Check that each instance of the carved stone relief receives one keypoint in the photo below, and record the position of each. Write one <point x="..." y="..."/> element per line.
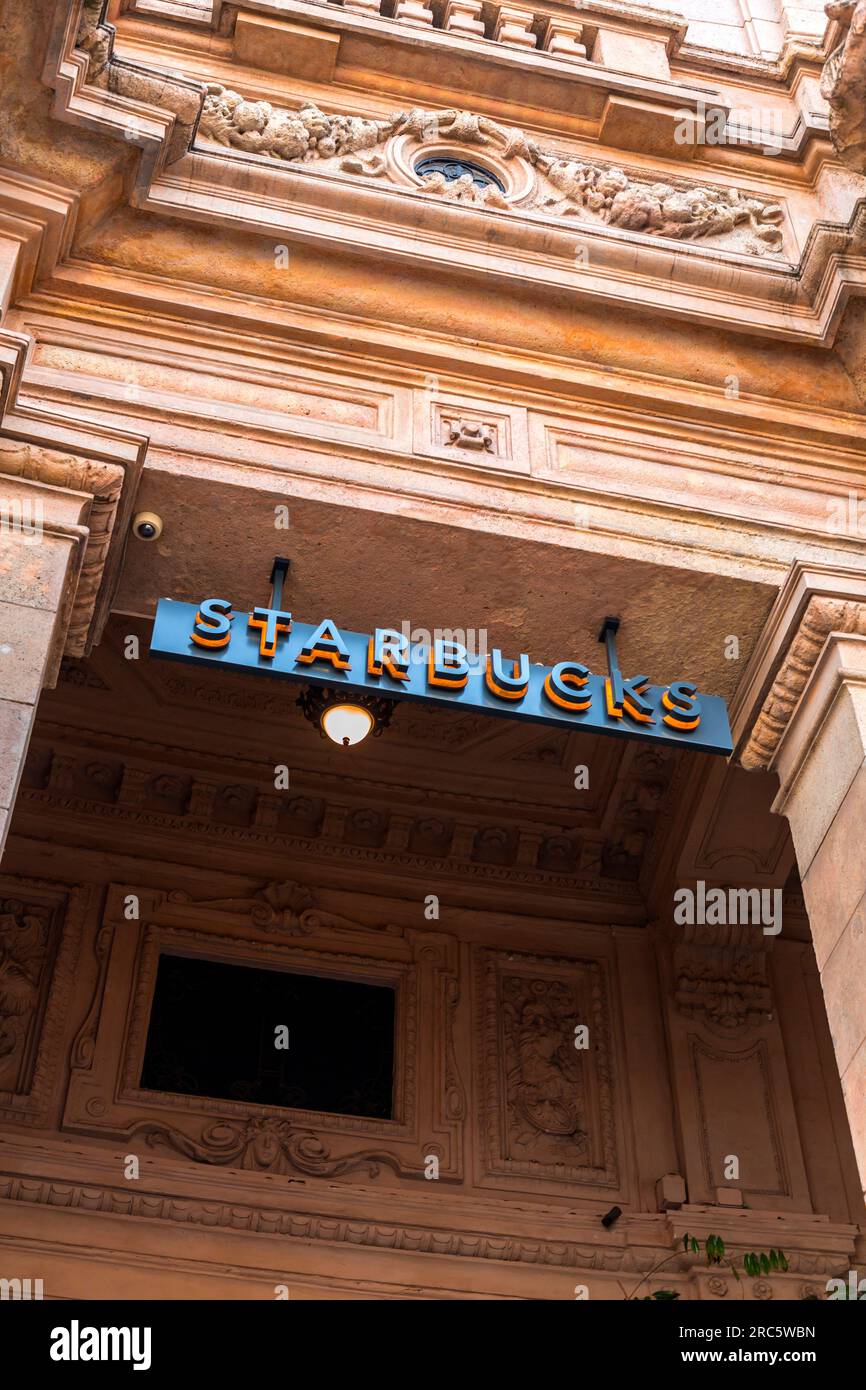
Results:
<point x="822" y="616"/>
<point x="720" y="976"/>
<point x="548" y="1104"/>
<point x="542" y="181"/>
<point x="843" y="83"/>
<point x="104" y="481"/>
<point x="265" y="1144"/>
<point x="24" y="947"/>
<point x="40" y="933"/>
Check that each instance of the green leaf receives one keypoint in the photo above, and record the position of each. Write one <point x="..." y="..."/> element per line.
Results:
<point x="782" y="1261"/>
<point x="774" y="1260"/>
<point x="695" y="1246"/>
<point x="686" y="1239"/>
<point x="765" y="1264"/>
<point x="720" y="1245"/>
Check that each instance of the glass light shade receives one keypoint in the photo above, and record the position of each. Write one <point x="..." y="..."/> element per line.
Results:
<point x="347" y="724"/>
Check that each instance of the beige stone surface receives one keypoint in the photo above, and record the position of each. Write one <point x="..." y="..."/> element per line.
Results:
<point x="33" y="564"/>
<point x="836" y="876"/>
<point x="854" y="1090"/>
<point x="639" y="54"/>
<point x="842" y="980"/>
<point x="279" y="46"/>
<point x="831" y="765"/>
<point x="15" y="720"/>
<point x="25" y="642"/>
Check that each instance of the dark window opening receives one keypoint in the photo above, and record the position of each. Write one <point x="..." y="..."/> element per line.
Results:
<point x="455" y="168"/>
<point x="213" y="1028"/>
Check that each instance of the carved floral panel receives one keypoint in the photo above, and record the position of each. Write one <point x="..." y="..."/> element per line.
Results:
<point x="40" y="930"/>
<point x="549" y="1105"/>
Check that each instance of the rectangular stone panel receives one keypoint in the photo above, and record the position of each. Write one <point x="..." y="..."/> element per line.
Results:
<point x="737" y="1118"/>
<point x="547" y="1085"/>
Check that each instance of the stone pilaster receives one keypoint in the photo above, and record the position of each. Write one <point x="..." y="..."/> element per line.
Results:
<point x="57" y="518"/>
<point x="803" y="716"/>
<point x="35" y="570"/>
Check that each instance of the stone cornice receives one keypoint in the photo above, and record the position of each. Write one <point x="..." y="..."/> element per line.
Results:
<point x="62" y="1172"/>
<point x="801" y="301"/>
<point x="157" y="111"/>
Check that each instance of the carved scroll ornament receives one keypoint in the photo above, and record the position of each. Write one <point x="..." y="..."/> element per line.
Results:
<point x="264" y="1144"/>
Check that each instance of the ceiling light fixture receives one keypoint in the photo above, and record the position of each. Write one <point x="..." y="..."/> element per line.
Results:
<point x="346" y="717"/>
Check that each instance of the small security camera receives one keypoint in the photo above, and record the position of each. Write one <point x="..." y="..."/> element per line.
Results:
<point x="147" y="526"/>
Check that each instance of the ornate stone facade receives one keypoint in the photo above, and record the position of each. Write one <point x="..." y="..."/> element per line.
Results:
<point x="496" y="322"/>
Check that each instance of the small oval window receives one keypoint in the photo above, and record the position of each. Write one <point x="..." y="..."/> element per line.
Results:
<point x="454" y="169"/>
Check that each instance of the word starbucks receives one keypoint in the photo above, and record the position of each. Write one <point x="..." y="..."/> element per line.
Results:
<point x="386" y="662"/>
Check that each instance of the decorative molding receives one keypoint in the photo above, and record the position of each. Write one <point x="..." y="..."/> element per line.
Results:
<point x="102" y="461"/>
<point x="763" y="291"/>
<point x="287" y="908"/>
<point x="156" y="110"/>
<point x="565" y="188"/>
<point x="105" y="1096"/>
<point x="808" y="1255"/>
<point x="720" y="976"/>
<point x="264" y="1143"/>
<point x="104" y="482"/>
<point x="822" y="615"/>
<point x="515" y="850"/>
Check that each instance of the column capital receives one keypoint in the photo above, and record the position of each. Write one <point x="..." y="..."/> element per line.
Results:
<point x="814" y="602"/>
